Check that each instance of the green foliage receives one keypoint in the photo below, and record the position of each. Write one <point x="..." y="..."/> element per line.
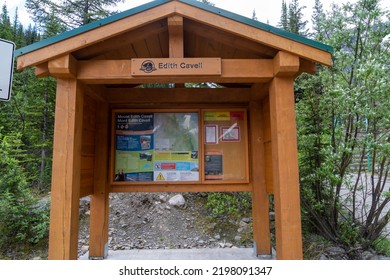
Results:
<point x="383" y="245"/>
<point x="343" y="126"/>
<point x="292" y="18"/>
<point x="225" y="204"/>
<point x="20" y="218"/>
<point x="206" y="2"/>
<point x="69" y="14"/>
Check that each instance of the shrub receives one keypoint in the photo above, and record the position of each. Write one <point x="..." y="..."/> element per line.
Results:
<point x="20" y="218"/>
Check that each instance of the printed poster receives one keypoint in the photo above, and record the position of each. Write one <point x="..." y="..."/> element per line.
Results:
<point x="156" y="147"/>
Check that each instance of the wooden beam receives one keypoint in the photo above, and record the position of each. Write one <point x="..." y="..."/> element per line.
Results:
<point x="267" y="144"/>
<point x="177" y="95"/>
<point x="260" y="198"/>
<point x="63" y="67"/>
<point x="98" y="243"/>
<point x="307" y="67"/>
<point x="42" y="70"/>
<point x="285" y="169"/>
<point x="180" y="188"/>
<point x="286" y="64"/>
<point x="176" y="40"/>
<point x="65" y="189"/>
<point x="119" y="72"/>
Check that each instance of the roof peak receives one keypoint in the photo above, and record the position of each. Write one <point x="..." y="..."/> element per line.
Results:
<point x="156" y="3"/>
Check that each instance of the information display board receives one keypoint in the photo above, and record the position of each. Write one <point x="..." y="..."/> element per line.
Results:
<point x="156" y="146"/>
<point x="225" y="145"/>
<point x="194" y="147"/>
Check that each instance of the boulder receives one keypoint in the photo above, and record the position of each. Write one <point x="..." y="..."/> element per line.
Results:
<point x="177" y="201"/>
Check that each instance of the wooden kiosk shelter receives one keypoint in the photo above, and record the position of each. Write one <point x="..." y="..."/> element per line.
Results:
<point x="114" y="135"/>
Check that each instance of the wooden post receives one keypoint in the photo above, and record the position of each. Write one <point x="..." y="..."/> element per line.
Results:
<point x="65" y="190"/>
<point x="285" y="169"/>
<point x="176" y="40"/>
<point x="260" y="202"/>
<point x="99" y="205"/>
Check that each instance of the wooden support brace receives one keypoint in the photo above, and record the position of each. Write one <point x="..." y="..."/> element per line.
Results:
<point x="176" y="40"/>
<point x="260" y="199"/>
<point x="63" y="67"/>
<point x="267" y="144"/>
<point x="307" y="67"/>
<point x="99" y="200"/>
<point x="65" y="190"/>
<point x="285" y="64"/>
<point x="42" y="70"/>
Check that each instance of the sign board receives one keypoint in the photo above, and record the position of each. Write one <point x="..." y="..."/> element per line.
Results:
<point x="176" y="66"/>
<point x="156" y="146"/>
<point x="6" y="68"/>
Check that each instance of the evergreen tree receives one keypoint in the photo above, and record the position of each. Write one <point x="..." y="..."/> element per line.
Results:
<point x="5" y="24"/>
<point x="317" y="20"/>
<point x="31" y="35"/>
<point x="284" y="18"/>
<point x="206" y="2"/>
<point x="296" y="24"/>
<point x="254" y="16"/>
<point x="70" y="14"/>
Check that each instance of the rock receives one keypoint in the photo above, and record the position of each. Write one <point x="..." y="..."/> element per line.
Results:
<point x="336" y="250"/>
<point x="336" y="253"/>
<point x="162" y="198"/>
<point x="245" y="229"/>
<point x="367" y="255"/>
<point x="272" y="216"/>
<point x="177" y="201"/>
<point x="43" y="203"/>
<point x="217" y="237"/>
<point x="84" y="249"/>
<point x="211" y="226"/>
<point x="237" y="238"/>
<point x="323" y="257"/>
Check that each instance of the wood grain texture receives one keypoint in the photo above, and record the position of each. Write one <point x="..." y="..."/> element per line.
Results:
<point x="65" y="192"/>
<point x="285" y="170"/>
<point x="99" y="200"/>
<point x="260" y="199"/>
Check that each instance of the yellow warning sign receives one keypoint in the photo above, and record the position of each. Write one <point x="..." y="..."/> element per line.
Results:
<point x="160" y="177"/>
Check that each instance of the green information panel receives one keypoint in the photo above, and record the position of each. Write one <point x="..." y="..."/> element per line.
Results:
<point x="156" y="147"/>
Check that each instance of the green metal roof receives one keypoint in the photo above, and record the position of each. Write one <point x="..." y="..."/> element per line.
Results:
<point x="152" y="4"/>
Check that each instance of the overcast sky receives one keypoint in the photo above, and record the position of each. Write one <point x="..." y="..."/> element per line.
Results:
<point x="266" y="10"/>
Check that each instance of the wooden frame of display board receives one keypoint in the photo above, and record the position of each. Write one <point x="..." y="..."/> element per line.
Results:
<point x="233" y="152"/>
<point x="108" y="65"/>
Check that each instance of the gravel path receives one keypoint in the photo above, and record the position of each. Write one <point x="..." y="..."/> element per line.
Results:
<point x="149" y="221"/>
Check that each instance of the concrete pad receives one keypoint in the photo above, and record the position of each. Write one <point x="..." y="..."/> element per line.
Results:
<point x="186" y="254"/>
